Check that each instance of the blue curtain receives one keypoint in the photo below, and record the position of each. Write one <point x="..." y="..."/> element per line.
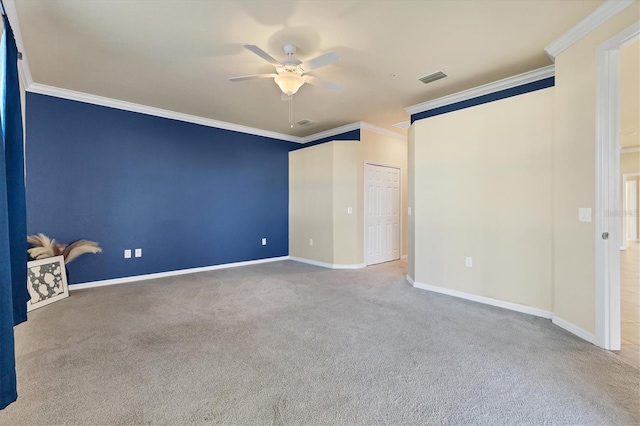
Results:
<point x="13" y="218"/>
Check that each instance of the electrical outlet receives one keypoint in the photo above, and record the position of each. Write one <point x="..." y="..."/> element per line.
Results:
<point x="311" y="241"/>
<point x="127" y="254"/>
<point x="138" y="252"/>
<point x="468" y="262"/>
<point x="264" y="241"/>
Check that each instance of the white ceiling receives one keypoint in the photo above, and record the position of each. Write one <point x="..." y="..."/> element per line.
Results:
<point x="178" y="55"/>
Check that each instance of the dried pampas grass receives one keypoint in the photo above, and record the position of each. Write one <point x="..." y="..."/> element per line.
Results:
<point x="80" y="247"/>
<point x="44" y="247"/>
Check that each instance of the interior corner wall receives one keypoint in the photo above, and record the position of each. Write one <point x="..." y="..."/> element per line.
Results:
<point x="383" y="150"/>
<point x="188" y="195"/>
<point x="411" y="196"/>
<point x="311" y="203"/>
<point x="482" y="188"/>
<point x="346" y="230"/>
<point x="574" y="156"/>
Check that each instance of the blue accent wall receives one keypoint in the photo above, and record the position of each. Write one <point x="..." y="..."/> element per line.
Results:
<point x="353" y="135"/>
<point x="188" y="195"/>
<point x="502" y="94"/>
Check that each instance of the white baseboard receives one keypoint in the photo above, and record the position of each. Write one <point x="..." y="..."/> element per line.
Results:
<point x="409" y="279"/>
<point x="574" y="329"/>
<point x="135" y="278"/>
<point x="482" y="299"/>
<point x="327" y="265"/>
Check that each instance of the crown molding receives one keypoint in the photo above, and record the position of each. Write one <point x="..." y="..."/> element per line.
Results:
<point x="157" y="112"/>
<point x="381" y="131"/>
<point x="629" y="150"/>
<point x="496" y="86"/>
<point x="403" y="124"/>
<point x="596" y="18"/>
<point x="208" y="122"/>
<point x="331" y="132"/>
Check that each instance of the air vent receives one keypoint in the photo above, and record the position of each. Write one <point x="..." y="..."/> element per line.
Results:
<point x="432" y="77"/>
<point x="305" y="122"/>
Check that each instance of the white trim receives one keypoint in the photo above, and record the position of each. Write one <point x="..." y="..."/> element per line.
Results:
<point x="607" y="252"/>
<point x="591" y="22"/>
<point x="403" y="124"/>
<point x="330" y="132"/>
<point x="145" y="277"/>
<point x="496" y="86"/>
<point x="327" y="265"/>
<point x="381" y="131"/>
<point x="485" y="300"/>
<point x="209" y="122"/>
<point x="573" y="329"/>
<point x="629" y="150"/>
<point x="157" y="112"/>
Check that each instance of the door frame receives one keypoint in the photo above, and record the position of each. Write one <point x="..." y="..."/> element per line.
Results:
<point x="607" y="214"/>
<point x="623" y="191"/>
<point x="364" y="207"/>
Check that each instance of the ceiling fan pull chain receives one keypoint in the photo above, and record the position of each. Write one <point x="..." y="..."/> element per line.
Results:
<point x="291" y="111"/>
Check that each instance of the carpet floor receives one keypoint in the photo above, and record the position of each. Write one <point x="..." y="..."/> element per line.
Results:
<point x="289" y="343"/>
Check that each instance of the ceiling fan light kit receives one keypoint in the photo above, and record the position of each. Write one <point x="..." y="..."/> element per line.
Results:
<point x="289" y="82"/>
<point x="291" y="73"/>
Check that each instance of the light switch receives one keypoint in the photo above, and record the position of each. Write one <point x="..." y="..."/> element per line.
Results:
<point x="409" y="211"/>
<point x="349" y="210"/>
<point x="264" y="241"/>
<point x="584" y="214"/>
<point x="127" y="254"/>
<point x="138" y="252"/>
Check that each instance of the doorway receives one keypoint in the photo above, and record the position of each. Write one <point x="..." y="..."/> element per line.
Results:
<point x="609" y="189"/>
<point x="381" y="213"/>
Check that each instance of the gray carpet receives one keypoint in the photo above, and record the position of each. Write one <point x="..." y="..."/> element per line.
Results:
<point x="288" y="343"/>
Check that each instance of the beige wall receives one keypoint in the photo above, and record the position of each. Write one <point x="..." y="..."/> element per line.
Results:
<point x="346" y="243"/>
<point x="411" y="185"/>
<point x="311" y="203"/>
<point x="630" y="95"/>
<point x="574" y="172"/>
<point x="483" y="189"/>
<point x="324" y="182"/>
<point x="629" y="163"/>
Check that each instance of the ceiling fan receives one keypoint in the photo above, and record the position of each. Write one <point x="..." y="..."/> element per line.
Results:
<point x="291" y="73"/>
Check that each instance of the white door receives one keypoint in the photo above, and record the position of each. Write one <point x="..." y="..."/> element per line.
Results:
<point x="382" y="214"/>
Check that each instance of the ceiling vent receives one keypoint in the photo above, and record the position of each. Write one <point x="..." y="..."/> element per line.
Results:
<point x="432" y="77"/>
<point x="305" y="122"/>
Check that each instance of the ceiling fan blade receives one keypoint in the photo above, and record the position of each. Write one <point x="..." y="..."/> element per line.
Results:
<point x="320" y="61"/>
<point x="252" y="77"/>
<point x="324" y="83"/>
<point x="264" y="55"/>
<point x="285" y="97"/>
